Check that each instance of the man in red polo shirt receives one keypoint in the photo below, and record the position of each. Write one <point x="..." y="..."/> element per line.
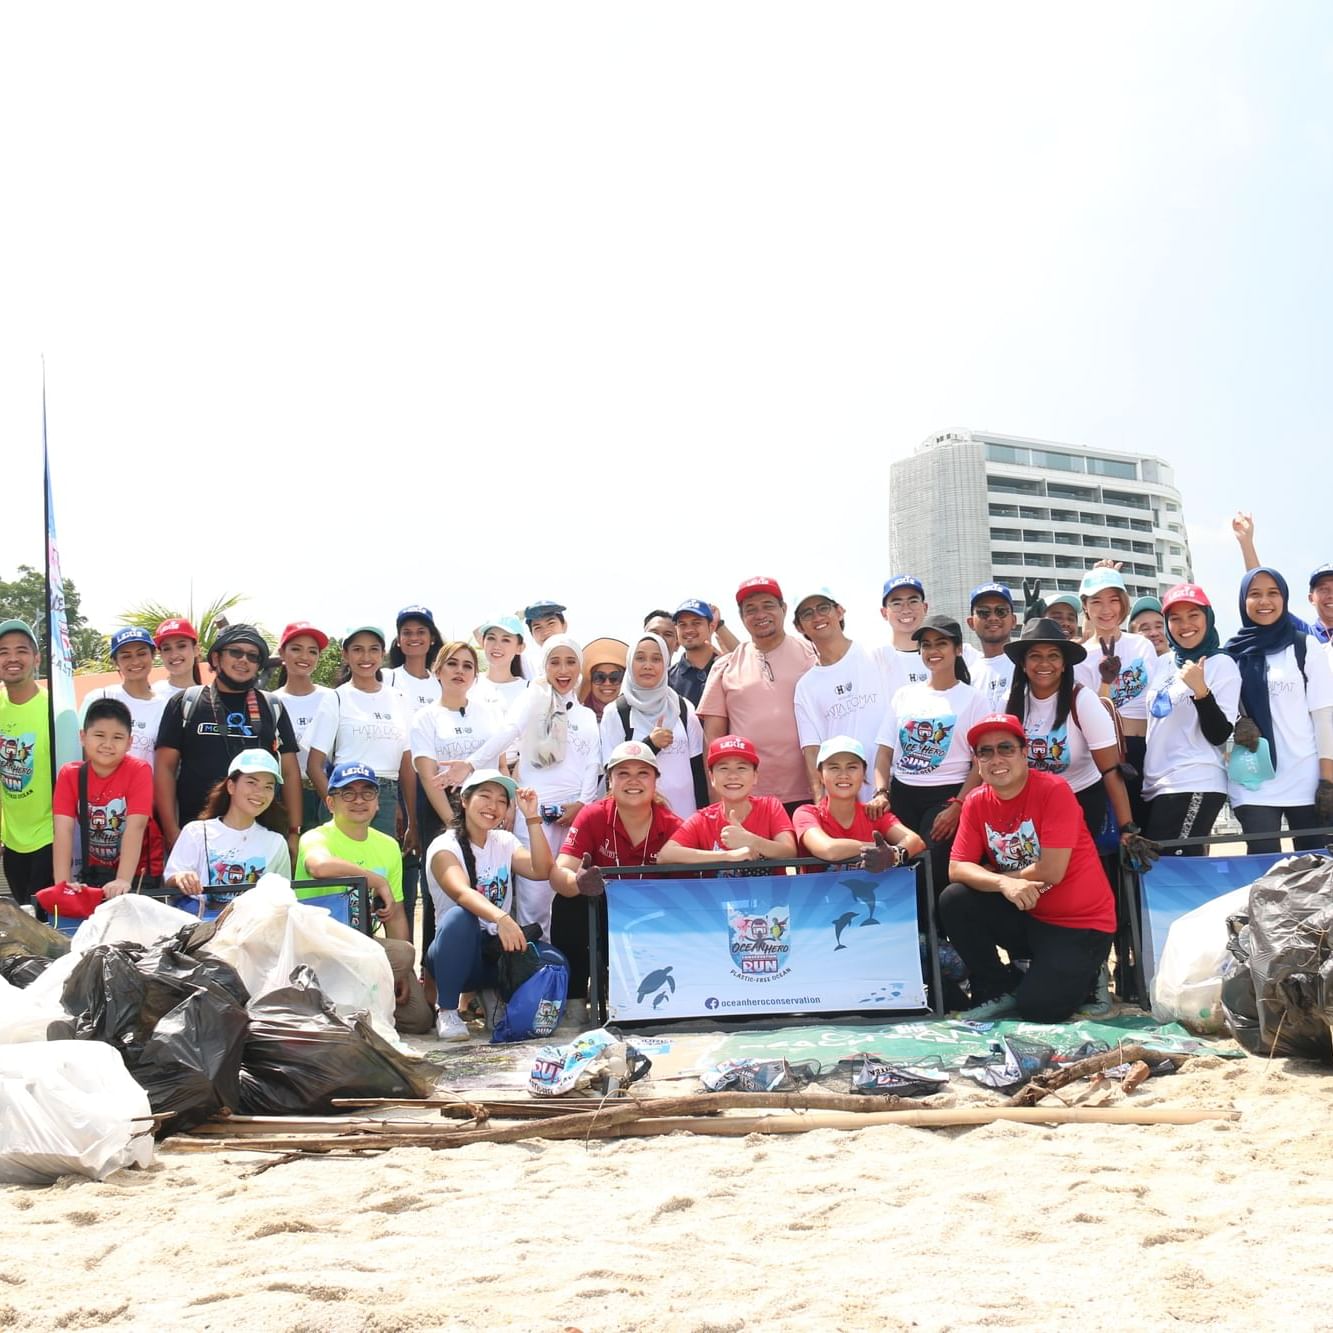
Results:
<point x="1025" y="877"/>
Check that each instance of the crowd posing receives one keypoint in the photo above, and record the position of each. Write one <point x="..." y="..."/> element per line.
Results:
<point x="489" y="782"/>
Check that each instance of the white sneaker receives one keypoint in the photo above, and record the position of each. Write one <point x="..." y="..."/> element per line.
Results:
<point x="450" y="1027"/>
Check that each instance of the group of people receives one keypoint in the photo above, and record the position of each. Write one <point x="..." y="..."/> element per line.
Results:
<point x="495" y="777"/>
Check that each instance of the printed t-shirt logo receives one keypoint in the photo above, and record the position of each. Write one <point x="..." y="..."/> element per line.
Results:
<point x="760" y="942"/>
<point x="1130" y="683"/>
<point x="1016" y="850"/>
<point x="1049" y="752"/>
<point x="16" y="762"/>
<point x="923" y="742"/>
<point x="494" y="886"/>
<point x="106" y="823"/>
<point x="228" y="873"/>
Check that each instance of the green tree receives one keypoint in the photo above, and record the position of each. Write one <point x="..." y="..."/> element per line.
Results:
<point x="25" y="597"/>
<point x="149" y="615"/>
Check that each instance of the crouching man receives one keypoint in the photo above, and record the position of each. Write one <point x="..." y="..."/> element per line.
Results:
<point x="349" y="846"/>
<point x="1025" y="877"/>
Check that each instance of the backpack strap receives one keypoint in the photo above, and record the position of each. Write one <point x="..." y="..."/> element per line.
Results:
<point x="190" y="697"/>
<point x="1115" y="720"/>
<point x="85" y="833"/>
<point x="622" y="707"/>
<point x="1301" y="646"/>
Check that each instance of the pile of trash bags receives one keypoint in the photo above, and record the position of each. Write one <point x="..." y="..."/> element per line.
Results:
<point x="273" y="1009"/>
<point x="1278" y="999"/>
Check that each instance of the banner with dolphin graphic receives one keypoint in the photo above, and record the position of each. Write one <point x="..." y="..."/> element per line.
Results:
<point x="840" y="940"/>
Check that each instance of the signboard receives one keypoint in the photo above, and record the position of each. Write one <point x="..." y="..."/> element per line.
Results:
<point x="840" y="940"/>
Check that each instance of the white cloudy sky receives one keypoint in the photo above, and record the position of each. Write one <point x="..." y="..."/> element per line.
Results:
<point x="350" y="306"/>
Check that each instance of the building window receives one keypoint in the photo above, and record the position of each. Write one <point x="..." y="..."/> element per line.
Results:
<point x="1110" y="467"/>
<point x="1029" y="535"/>
<point x="1126" y="501"/>
<point x="1005" y="535"/>
<point x="1004" y="511"/>
<point x="1064" y="515"/>
<point x="1097" y="520"/>
<point x="1014" y="486"/>
<point x="1059" y="490"/>
<point x="1056" y="462"/>
<point x="1004" y="453"/>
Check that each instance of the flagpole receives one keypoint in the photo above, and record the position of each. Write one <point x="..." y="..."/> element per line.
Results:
<point x="47" y="663"/>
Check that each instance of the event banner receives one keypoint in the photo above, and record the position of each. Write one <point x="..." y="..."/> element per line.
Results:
<point x="65" y="747"/>
<point x="769" y="944"/>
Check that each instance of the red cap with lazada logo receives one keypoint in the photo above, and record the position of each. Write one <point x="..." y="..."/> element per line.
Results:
<point x="732" y="747"/>
<point x="760" y="583"/>
<point x="175" y="629"/>
<point x="1185" y="592"/>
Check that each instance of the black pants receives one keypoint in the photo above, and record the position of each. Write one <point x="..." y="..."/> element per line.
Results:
<point x="1136" y="755"/>
<point x="1264" y="819"/>
<point x="1184" y="814"/>
<point x="1094" y="802"/>
<point x="917" y="808"/>
<point x="569" y="934"/>
<point x="1065" y="961"/>
<point x="27" y="872"/>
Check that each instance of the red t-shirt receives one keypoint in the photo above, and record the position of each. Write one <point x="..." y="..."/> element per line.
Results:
<point x="127" y="790"/>
<point x="598" y="829"/>
<point x="703" y="829"/>
<point x="1009" y="835"/>
<point x="863" y="828"/>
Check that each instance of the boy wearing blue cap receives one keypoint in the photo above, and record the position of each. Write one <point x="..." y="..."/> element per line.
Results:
<point x="904" y="606"/>
<point x="132" y="653"/>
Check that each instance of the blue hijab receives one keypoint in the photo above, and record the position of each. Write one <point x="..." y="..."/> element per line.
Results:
<point x="1251" y="649"/>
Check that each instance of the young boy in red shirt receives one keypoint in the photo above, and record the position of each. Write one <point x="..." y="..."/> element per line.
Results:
<point x="119" y="843"/>
<point x="738" y="826"/>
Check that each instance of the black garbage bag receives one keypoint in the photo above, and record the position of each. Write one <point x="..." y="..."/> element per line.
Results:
<point x="1240" y="1008"/>
<point x="178" y="1021"/>
<point x="301" y="1053"/>
<point x="22" y="969"/>
<point x="1291" y="957"/>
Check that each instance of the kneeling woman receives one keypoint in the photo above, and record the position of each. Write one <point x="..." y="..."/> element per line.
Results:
<point x="237" y="840"/>
<point x="840" y="826"/>
<point x="470" y="872"/>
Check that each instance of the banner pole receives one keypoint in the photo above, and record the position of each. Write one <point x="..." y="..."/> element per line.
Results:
<point x="47" y="664"/>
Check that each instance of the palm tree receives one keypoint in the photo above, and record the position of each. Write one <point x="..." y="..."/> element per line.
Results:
<point x="149" y="615"/>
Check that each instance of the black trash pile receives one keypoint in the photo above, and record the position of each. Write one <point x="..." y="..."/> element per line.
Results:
<point x="193" y="1039"/>
<point x="1278" y="1000"/>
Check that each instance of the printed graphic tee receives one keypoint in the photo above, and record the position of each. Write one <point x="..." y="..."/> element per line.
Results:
<point x="928" y="729"/>
<point x="228" y="858"/>
<point x="1178" y="757"/>
<point x="127" y="790"/>
<point x="1138" y="665"/>
<point x="1066" y="750"/>
<point x="25" y="771"/>
<point x="495" y="873"/>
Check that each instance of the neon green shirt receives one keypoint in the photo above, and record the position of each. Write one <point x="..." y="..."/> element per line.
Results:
<point x="25" y="772"/>
<point x="378" y="852"/>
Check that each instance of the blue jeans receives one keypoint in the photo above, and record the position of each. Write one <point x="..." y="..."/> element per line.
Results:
<point x="454" y="958"/>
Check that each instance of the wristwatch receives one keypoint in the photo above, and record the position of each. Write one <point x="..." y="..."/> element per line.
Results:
<point x="1131" y="827"/>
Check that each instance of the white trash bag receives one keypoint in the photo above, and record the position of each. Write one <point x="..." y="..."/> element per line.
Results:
<point x="69" y="1108"/>
<point x="129" y="918"/>
<point x="1187" y="986"/>
<point x="269" y="934"/>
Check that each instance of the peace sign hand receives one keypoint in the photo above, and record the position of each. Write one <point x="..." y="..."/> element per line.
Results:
<point x="1110" y="663"/>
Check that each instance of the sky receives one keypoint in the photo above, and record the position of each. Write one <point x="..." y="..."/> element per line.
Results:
<point x="347" y="307"/>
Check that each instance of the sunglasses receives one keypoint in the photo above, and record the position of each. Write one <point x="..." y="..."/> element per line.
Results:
<point x="1007" y="749"/>
<point x="991" y="612"/>
<point x="240" y="655"/>
<point x="607" y="677"/>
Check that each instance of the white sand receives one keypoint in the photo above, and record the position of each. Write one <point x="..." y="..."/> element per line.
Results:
<point x="1212" y="1225"/>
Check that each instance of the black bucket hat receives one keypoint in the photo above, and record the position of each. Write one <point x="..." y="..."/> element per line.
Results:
<point x="940" y="625"/>
<point x="1044" y="631"/>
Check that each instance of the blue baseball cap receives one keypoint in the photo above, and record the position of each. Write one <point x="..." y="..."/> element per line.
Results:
<point x="1324" y="571"/>
<point x="256" y="761"/>
<point x="131" y="634"/>
<point x="542" y="608"/>
<point x="485" y="775"/>
<point x="1099" y="580"/>
<point x="840" y="745"/>
<point x="693" y="607"/>
<point x="344" y="775"/>
<point x="416" y="612"/>
<point x="902" y="581"/>
<point x="991" y="590"/>
<point x="510" y="624"/>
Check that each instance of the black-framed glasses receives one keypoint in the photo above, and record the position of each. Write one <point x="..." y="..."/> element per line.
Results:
<point x="607" y="677"/>
<point x="351" y="794"/>
<point x="241" y="655"/>
<point x="818" y="609"/>
<point x="1005" y="749"/>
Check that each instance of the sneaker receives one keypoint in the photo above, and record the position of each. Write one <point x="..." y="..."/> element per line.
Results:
<point x="1002" y="1006"/>
<point x="1099" y="1002"/>
<point x="450" y="1027"/>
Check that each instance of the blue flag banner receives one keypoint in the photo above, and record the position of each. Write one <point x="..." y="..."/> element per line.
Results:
<point x="65" y="747"/>
<point x="835" y="941"/>
<point x="1179" y="884"/>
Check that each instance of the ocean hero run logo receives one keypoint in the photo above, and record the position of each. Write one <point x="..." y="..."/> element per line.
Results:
<point x="760" y="942"/>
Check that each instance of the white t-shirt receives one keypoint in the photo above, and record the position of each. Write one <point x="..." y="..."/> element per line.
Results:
<point x="495" y="872"/>
<point x="928" y="732"/>
<point x="1178" y="757"/>
<point x="848" y="698"/>
<point x="1066" y="750"/>
<point x="228" y="858"/>
<point x="145" y="717"/>
<point x="914" y="671"/>
<point x="991" y="677"/>
<point x="417" y="692"/>
<point x="675" y="777"/>
<point x="446" y="734"/>
<point x="1138" y="665"/>
<point x="500" y="694"/>
<point x="1291" y="701"/>
<point x="575" y="777"/>
<point x="165" y="690"/>
<point x="363" y="728"/>
<point x="303" y="709"/>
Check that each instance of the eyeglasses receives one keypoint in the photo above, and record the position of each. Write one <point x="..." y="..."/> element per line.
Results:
<point x="906" y="601"/>
<point x="351" y="794"/>
<point x="607" y="677"/>
<point x="991" y="612"/>
<point x="1006" y="749"/>
<point x="240" y="655"/>
<point x="818" y="609"/>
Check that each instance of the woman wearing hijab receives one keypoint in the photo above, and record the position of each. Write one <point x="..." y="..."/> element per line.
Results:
<point x="604" y="665"/>
<point x="649" y="710"/>
<point x="1286" y="701"/>
<point x="1192" y="705"/>
<point x="559" y="757"/>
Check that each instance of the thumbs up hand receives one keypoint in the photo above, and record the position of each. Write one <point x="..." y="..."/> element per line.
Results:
<point x="661" y="736"/>
<point x="735" y="836"/>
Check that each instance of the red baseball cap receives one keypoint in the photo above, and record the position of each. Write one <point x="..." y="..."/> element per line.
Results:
<point x="1185" y="592"/>
<point x="732" y="747"/>
<point x="299" y="627"/>
<point x="997" y="722"/>
<point x="758" y="584"/>
<point x="175" y="629"/>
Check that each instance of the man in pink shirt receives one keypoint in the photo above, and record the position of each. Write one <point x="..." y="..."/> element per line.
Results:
<point x="752" y="692"/>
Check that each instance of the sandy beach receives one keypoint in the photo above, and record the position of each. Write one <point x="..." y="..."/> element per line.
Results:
<point x="1219" y="1224"/>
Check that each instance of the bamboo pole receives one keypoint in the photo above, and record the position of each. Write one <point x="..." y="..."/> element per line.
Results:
<point x="1032" y="1092"/>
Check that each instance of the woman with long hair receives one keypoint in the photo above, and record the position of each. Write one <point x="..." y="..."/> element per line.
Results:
<point x="298" y="655"/>
<point x="408" y="663"/>
<point x="502" y="648"/>
<point x="178" y="643"/>
<point x="1286" y="701"/>
<point x="240" y="835"/>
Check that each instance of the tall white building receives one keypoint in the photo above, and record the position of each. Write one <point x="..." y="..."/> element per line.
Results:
<point x="968" y="507"/>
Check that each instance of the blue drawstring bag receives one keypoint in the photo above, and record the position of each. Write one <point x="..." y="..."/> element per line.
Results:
<point x="538" y="1003"/>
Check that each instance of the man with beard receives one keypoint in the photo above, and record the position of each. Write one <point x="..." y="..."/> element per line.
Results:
<point x="992" y="620"/>
<point x="697" y="624"/>
<point x="205" y="727"/>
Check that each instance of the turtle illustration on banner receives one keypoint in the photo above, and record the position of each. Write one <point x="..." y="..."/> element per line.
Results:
<point x="660" y="981"/>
